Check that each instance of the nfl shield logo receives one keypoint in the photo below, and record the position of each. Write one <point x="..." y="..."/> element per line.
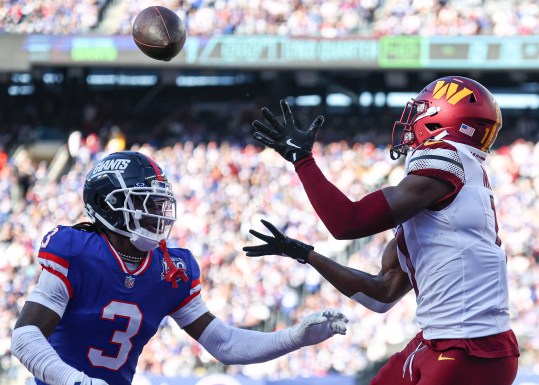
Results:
<point x="129" y="282"/>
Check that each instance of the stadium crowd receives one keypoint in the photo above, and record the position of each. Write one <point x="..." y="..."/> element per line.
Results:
<point x="223" y="190"/>
<point x="328" y="18"/>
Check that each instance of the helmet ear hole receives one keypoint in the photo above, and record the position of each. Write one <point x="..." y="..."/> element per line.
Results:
<point x="102" y="204"/>
<point x="433" y="126"/>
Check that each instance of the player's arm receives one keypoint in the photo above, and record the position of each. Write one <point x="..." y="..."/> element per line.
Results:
<point x="39" y="317"/>
<point x="232" y="345"/>
<point x="375" y="212"/>
<point x="376" y="292"/>
<point x="35" y="314"/>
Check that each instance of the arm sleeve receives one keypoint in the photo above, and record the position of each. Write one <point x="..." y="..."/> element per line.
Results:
<point x="234" y="346"/>
<point x="50" y="292"/>
<point x="31" y="348"/>
<point x="344" y="218"/>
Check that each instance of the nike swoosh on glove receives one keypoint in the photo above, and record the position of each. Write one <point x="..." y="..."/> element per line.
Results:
<point x="286" y="138"/>
<point x="318" y="327"/>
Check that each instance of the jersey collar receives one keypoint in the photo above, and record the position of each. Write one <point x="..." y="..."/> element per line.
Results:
<point x="123" y="266"/>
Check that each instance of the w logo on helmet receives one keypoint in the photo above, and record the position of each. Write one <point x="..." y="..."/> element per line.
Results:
<point x="449" y="90"/>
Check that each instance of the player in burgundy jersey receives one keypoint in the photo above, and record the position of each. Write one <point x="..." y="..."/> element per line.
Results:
<point x="107" y="285"/>
<point x="446" y="247"/>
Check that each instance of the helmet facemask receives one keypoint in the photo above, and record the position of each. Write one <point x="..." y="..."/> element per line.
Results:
<point x="414" y="111"/>
<point x="148" y="212"/>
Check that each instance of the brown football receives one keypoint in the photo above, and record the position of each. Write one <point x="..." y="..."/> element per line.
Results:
<point x="159" y="33"/>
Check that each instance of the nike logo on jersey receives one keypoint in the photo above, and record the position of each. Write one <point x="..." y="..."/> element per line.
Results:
<point x="442" y="358"/>
<point x="289" y="142"/>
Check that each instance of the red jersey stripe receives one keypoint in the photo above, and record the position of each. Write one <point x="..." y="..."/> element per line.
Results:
<point x="62" y="277"/>
<point x="53" y="258"/>
<point x="185" y="302"/>
<point x="401" y="243"/>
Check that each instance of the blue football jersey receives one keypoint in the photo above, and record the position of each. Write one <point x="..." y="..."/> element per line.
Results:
<point x="112" y="312"/>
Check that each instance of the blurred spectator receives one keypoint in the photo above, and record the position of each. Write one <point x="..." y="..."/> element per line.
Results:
<point x="57" y="17"/>
<point x="324" y="18"/>
<point x="116" y="140"/>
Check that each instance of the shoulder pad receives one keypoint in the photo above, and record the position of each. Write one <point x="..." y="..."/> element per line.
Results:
<point x="434" y="157"/>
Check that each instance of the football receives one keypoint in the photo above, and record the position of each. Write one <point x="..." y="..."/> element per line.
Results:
<point x="159" y="33"/>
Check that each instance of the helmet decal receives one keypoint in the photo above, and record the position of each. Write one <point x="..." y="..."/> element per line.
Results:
<point x="449" y="90"/>
<point x="110" y="165"/>
<point x="465" y="129"/>
<point x="157" y="169"/>
<point x="492" y="133"/>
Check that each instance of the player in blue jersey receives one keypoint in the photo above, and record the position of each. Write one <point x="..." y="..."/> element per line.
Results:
<point x="107" y="285"/>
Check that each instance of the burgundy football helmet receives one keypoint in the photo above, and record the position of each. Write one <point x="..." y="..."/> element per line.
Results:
<point x="462" y="107"/>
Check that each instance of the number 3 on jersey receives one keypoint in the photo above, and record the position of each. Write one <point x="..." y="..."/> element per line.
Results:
<point x="121" y="337"/>
<point x="48" y="236"/>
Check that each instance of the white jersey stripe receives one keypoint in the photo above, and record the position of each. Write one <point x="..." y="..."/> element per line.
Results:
<point x="195" y="289"/>
<point x="53" y="265"/>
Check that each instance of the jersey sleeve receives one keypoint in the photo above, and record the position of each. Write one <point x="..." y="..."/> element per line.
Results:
<point x="54" y="254"/>
<point x="190" y="312"/>
<point x="193" y="273"/>
<point x="439" y="160"/>
<point x="50" y="292"/>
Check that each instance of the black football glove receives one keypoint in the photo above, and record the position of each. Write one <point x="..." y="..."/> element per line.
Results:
<point x="279" y="244"/>
<point x="288" y="140"/>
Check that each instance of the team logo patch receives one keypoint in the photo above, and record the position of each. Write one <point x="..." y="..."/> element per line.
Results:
<point x="465" y="129"/>
<point x="129" y="281"/>
<point x="178" y="262"/>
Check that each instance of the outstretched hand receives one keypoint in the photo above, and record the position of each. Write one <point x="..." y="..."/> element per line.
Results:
<point x="318" y="327"/>
<point x="278" y="244"/>
<point x="286" y="138"/>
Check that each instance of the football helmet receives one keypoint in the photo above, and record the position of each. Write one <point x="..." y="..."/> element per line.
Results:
<point x="128" y="193"/>
<point x="460" y="108"/>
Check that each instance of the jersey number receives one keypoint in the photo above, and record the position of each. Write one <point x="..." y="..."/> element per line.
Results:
<point x="48" y="237"/>
<point x="120" y="337"/>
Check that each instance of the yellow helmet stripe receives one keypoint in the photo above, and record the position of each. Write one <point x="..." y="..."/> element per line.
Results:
<point x="493" y="131"/>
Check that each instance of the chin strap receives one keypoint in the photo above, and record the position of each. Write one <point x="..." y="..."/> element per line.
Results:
<point x="173" y="271"/>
